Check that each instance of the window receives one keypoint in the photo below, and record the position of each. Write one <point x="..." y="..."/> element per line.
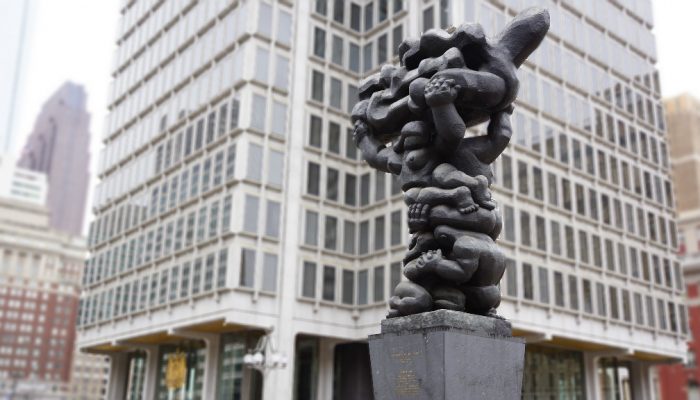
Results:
<point x="362" y="287"/>
<point x="334" y="138"/>
<point x="315" y="127"/>
<point x="317" y="86"/>
<point x="222" y="269"/>
<point x="348" y="286"/>
<point x="355" y="16"/>
<point x="511" y="278"/>
<point x="332" y="176"/>
<point x="383" y="10"/>
<point x="349" y="237"/>
<point x="525" y="228"/>
<point x="367" y="57"/>
<point x="258" y="114"/>
<point x="543" y="279"/>
<point x="397" y="38"/>
<point x="354" y="63"/>
<point x="275" y="168"/>
<point x="255" y="155"/>
<point x="428" y="19"/>
<point x="350" y="189"/>
<point x="247" y="274"/>
<point x="279" y="118"/>
<point x="272" y="222"/>
<point x="281" y="72"/>
<point x="396" y="232"/>
<point x="250" y="219"/>
<point x="337" y="50"/>
<point x="379" y="233"/>
<point x="364" y="189"/>
<point x="308" y="288"/>
<point x="573" y="292"/>
<point x="269" y="283"/>
<point x="369" y="16"/>
<point x="319" y="42"/>
<point x="339" y="10"/>
<point x="313" y="179"/>
<point x="328" y="293"/>
<point x="331" y="233"/>
<point x="528" y="288"/>
<point x="262" y="62"/>
<point x="311" y="232"/>
<point x="364" y="237"/>
<point x="379" y="284"/>
<point x="587" y="297"/>
<point x="558" y="289"/>
<point x="382" y="51"/>
<point x="336" y="93"/>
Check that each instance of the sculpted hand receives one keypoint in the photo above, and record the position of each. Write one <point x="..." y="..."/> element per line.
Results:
<point x="440" y="91"/>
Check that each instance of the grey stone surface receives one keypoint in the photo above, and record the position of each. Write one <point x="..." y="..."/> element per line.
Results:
<point x="448" y="320"/>
<point x="411" y="121"/>
<point x="440" y="363"/>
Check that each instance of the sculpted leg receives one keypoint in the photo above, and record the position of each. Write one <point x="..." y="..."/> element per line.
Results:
<point x="447" y="297"/>
<point x="409" y="298"/>
<point x="447" y="176"/>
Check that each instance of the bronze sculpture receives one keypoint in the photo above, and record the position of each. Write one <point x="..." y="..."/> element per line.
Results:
<point x="411" y="120"/>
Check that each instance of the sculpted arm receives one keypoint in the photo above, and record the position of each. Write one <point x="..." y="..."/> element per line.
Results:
<point x="498" y="134"/>
<point x="375" y="152"/>
<point x="440" y="95"/>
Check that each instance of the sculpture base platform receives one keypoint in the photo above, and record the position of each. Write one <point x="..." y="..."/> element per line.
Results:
<point x="446" y="355"/>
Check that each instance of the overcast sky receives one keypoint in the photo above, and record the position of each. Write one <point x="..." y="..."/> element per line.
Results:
<point x="74" y="40"/>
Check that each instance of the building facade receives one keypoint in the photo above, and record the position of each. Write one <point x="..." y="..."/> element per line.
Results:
<point x="233" y="206"/>
<point x="39" y="294"/>
<point x="682" y="381"/>
<point x="59" y="147"/>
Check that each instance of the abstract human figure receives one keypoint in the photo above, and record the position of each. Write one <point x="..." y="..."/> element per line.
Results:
<point x="411" y="121"/>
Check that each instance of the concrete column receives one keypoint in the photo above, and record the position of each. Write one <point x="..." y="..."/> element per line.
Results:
<point x="279" y="383"/>
<point x="641" y="377"/>
<point x="592" y="384"/>
<point x="211" y="366"/>
<point x="150" y="380"/>
<point x="326" y="365"/>
<point x="118" y="375"/>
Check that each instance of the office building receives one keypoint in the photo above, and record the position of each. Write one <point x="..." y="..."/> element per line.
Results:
<point x="681" y="381"/>
<point x="59" y="147"/>
<point x="233" y="206"/>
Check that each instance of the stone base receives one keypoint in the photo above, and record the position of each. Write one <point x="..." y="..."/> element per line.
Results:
<point x="446" y="355"/>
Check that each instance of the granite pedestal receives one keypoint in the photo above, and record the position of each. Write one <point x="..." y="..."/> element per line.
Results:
<point x="446" y="355"/>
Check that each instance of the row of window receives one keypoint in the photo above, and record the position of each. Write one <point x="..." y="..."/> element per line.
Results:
<point x="331" y="190"/>
<point x="350" y="287"/>
<point x="355" y="59"/>
<point x="588" y="248"/>
<point x="332" y="92"/>
<point x="576" y="197"/>
<point x="357" y="17"/>
<point x="332" y="139"/>
<point x="173" y="235"/>
<point x="598" y="163"/>
<point x="326" y="231"/>
<point x="530" y="282"/>
<point x="179" y="282"/>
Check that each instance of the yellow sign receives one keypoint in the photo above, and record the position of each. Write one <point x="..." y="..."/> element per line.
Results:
<point x="176" y="370"/>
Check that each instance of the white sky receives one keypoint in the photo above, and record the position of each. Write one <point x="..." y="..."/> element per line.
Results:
<point x="74" y="40"/>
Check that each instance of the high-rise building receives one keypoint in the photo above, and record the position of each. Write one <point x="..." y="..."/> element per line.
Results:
<point x="39" y="294"/>
<point x="233" y="206"/>
<point x="682" y="381"/>
<point x="59" y="146"/>
<point x="16" y="25"/>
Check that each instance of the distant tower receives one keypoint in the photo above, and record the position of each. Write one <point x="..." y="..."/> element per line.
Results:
<point x="59" y="147"/>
